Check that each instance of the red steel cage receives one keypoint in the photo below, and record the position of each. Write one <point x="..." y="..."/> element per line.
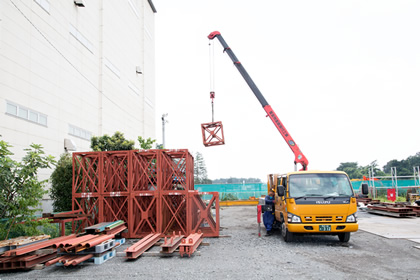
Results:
<point x="151" y="190"/>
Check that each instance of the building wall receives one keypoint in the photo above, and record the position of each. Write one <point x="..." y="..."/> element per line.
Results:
<point x="69" y="72"/>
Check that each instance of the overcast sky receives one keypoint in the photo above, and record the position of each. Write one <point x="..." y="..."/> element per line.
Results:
<point x="343" y="77"/>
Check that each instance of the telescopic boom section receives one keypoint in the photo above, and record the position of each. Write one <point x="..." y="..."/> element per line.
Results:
<point x="299" y="157"/>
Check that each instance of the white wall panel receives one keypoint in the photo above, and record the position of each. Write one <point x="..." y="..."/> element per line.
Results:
<point x="45" y="68"/>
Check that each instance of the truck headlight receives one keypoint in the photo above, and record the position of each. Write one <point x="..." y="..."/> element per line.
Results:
<point x="351" y="218"/>
<point x="293" y="218"/>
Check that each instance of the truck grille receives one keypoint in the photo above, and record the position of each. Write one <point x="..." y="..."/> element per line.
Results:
<point x="323" y="219"/>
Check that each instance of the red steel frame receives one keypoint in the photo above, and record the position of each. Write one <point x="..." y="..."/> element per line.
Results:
<point x="212" y="134"/>
<point x="151" y="190"/>
<point x="201" y="215"/>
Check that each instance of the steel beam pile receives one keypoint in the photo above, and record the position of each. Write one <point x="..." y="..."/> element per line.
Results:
<point x="68" y="250"/>
<point x="95" y="245"/>
<point x="30" y="255"/>
<point x="151" y="190"/>
<point x="391" y="209"/>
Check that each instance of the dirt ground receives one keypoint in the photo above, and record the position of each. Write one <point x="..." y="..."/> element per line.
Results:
<point x="240" y="254"/>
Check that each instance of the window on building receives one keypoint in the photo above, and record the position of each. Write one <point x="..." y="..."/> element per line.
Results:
<point x="42" y="119"/>
<point x="133" y="88"/>
<point x="80" y="132"/>
<point x="11" y="109"/>
<point x="134" y="8"/>
<point x="44" y="4"/>
<point x="25" y="113"/>
<point x="82" y="39"/>
<point x="33" y="116"/>
<point x="112" y="67"/>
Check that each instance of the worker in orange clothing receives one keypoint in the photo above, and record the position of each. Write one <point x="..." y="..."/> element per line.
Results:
<point x="268" y="216"/>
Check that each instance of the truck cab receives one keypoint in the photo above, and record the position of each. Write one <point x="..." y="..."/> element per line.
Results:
<point x="314" y="202"/>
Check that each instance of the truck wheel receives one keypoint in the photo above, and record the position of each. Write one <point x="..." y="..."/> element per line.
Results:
<point x="344" y="236"/>
<point x="287" y="235"/>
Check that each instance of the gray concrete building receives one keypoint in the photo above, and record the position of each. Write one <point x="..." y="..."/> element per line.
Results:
<point x="72" y="69"/>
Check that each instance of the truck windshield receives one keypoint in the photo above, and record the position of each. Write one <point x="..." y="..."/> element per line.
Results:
<point x="325" y="184"/>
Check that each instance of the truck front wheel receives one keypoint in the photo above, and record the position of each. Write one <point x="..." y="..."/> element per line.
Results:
<point x="287" y="235"/>
<point x="344" y="236"/>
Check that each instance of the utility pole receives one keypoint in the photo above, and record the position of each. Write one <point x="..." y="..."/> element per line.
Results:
<point x="164" y="121"/>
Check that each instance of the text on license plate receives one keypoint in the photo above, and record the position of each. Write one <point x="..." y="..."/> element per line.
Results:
<point x="324" y="227"/>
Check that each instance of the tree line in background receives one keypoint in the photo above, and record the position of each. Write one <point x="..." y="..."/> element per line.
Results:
<point x="200" y="174"/>
<point x="404" y="167"/>
<point x="234" y="180"/>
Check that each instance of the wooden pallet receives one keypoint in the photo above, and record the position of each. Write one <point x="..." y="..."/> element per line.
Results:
<point x="17" y="242"/>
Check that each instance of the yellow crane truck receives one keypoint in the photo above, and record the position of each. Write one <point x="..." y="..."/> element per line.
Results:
<point x="314" y="202"/>
<point x="311" y="202"/>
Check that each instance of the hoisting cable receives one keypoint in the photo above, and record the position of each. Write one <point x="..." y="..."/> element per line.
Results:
<point x="211" y="63"/>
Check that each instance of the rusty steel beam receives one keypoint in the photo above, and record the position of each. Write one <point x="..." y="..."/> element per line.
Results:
<point x="190" y="244"/>
<point x="391" y="208"/>
<point x="26" y="261"/>
<point x="134" y="251"/>
<point x="116" y="230"/>
<point x="171" y="243"/>
<point x="37" y="246"/>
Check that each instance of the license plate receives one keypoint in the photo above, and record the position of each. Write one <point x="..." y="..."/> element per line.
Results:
<point x="324" y="227"/>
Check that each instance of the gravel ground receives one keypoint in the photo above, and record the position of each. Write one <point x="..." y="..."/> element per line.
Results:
<point x="241" y="254"/>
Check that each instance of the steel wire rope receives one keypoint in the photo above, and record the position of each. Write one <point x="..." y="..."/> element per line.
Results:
<point x="212" y="77"/>
<point x="68" y="61"/>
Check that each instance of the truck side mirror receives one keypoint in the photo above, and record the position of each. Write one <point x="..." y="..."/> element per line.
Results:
<point x="280" y="190"/>
<point x="365" y="189"/>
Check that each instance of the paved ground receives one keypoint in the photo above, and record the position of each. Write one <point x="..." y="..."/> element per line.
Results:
<point x="390" y="227"/>
<point x="382" y="249"/>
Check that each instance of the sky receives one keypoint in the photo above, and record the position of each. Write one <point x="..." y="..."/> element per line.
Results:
<point x="342" y="76"/>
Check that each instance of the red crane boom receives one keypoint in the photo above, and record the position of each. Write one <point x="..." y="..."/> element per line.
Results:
<point x="299" y="156"/>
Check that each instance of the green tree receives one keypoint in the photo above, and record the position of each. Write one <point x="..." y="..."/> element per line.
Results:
<point x="373" y="165"/>
<point x="357" y="172"/>
<point x="404" y="167"/>
<point x="116" y="142"/>
<point x="61" y="179"/>
<point x="146" y="144"/>
<point x="234" y="180"/>
<point x="21" y="191"/>
<point x="352" y="169"/>
<point x="200" y="170"/>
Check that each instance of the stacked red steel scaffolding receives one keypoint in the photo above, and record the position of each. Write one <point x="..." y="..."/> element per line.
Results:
<point x="151" y="190"/>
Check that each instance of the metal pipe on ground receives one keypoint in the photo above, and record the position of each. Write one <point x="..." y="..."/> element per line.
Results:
<point x="79" y="260"/>
<point x="95" y="241"/>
